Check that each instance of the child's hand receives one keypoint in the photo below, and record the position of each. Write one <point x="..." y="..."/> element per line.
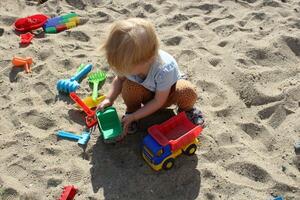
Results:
<point x="105" y="103"/>
<point x="126" y="121"/>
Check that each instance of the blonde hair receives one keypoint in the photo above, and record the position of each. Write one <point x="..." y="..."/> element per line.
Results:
<point x="130" y="42"/>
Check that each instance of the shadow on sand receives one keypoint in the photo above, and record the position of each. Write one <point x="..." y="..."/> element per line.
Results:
<point x="120" y="171"/>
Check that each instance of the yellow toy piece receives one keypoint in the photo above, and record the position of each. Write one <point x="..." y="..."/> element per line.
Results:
<point x="91" y="103"/>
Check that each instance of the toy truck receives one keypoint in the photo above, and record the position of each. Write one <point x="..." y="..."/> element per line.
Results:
<point x="168" y="140"/>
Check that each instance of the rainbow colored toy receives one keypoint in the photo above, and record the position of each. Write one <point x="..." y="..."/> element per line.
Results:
<point x="58" y="24"/>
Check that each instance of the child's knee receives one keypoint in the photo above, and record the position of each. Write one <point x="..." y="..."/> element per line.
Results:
<point x="186" y="95"/>
<point x="129" y="88"/>
<point x="187" y="90"/>
<point x="134" y="91"/>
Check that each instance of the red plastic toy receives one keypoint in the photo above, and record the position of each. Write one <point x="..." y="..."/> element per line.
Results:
<point x="30" y="23"/>
<point x="178" y="131"/>
<point x="91" y="119"/>
<point x="26" y="38"/>
<point x="68" y="193"/>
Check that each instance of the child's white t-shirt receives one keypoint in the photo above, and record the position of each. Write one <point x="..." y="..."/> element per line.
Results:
<point x="163" y="73"/>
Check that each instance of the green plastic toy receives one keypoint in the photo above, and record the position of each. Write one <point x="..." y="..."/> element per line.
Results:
<point x="97" y="79"/>
<point x="109" y="124"/>
<point x="81" y="66"/>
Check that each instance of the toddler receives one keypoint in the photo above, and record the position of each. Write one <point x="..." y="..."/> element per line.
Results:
<point x="147" y="78"/>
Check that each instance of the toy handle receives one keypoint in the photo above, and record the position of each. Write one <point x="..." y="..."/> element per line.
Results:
<point x="67" y="135"/>
<point x="86" y="109"/>
<point x="95" y="91"/>
<point x="82" y="73"/>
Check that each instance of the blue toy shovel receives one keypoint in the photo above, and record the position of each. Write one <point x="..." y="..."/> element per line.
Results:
<point x="71" y="85"/>
<point x="81" y="139"/>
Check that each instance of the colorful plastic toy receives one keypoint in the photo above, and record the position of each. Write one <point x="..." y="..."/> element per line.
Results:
<point x="90" y="119"/>
<point x="97" y="79"/>
<point x="30" y="23"/>
<point x="26" y="38"/>
<point x="297" y="148"/>
<point x="58" y="24"/>
<point x="91" y="103"/>
<point x="278" y="198"/>
<point x="71" y="85"/>
<point x="82" y="139"/>
<point x="81" y="66"/>
<point x="22" y="62"/>
<point x="109" y="124"/>
<point x="68" y="193"/>
<point x="168" y="140"/>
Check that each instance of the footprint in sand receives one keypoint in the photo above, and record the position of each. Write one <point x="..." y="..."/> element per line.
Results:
<point x="293" y="44"/>
<point x="37" y="119"/>
<point x="44" y="91"/>
<point x="191" y="26"/>
<point x="75" y="175"/>
<point x="173" y="41"/>
<point x="102" y="17"/>
<point x="53" y="182"/>
<point x="213" y="92"/>
<point x="77" y="4"/>
<point x="250" y="171"/>
<point x="270" y="3"/>
<point x="175" y="20"/>
<point x="252" y="97"/>
<point x="214" y="61"/>
<point x="225" y="30"/>
<point x="186" y="56"/>
<point x="9" y="193"/>
<point x="17" y="171"/>
<point x="260" y="136"/>
<point x="210" y="20"/>
<point x="206" y="7"/>
<point x="277" y="114"/>
<point x="223" y="43"/>
<point x="149" y="8"/>
<point x="79" y="35"/>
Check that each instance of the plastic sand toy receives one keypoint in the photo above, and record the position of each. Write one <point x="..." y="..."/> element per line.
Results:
<point x="91" y="103"/>
<point x="109" y="124"/>
<point x="30" y="23"/>
<point x="97" y="79"/>
<point x="90" y="119"/>
<point x="82" y="139"/>
<point x="22" y="62"/>
<point x="71" y="85"/>
<point x="26" y="38"/>
<point x="61" y="23"/>
<point x="168" y="140"/>
<point x="68" y="193"/>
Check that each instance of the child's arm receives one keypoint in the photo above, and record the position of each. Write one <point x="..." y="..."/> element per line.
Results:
<point x="159" y="100"/>
<point x="116" y="88"/>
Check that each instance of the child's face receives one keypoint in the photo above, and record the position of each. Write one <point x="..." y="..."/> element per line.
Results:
<point x="138" y="69"/>
<point x="142" y="68"/>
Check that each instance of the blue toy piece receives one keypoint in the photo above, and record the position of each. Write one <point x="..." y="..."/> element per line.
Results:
<point x="297" y="148"/>
<point x="71" y="85"/>
<point x="278" y="198"/>
<point x="81" y="139"/>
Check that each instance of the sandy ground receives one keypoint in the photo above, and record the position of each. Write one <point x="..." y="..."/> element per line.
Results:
<point x="243" y="56"/>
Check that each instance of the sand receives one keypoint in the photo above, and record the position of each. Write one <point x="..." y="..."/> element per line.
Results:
<point x="242" y="55"/>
